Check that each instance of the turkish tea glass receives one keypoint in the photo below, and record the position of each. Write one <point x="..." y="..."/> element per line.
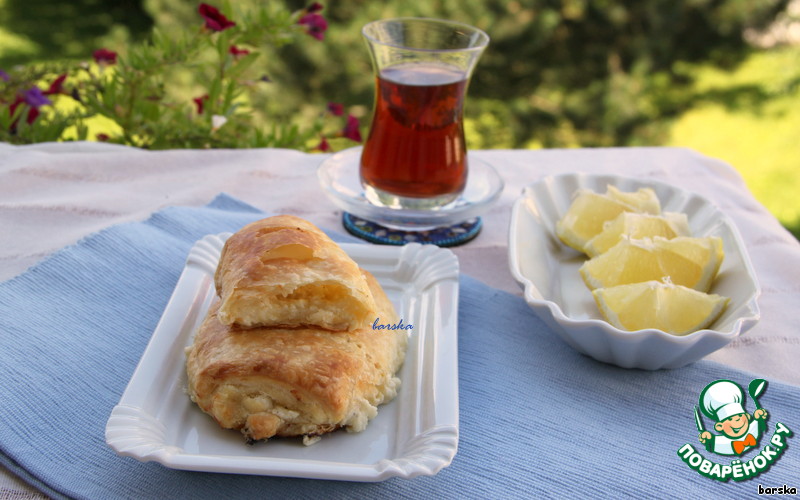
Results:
<point x="415" y="156"/>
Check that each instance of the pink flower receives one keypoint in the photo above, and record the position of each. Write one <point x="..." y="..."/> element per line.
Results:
<point x="104" y="57"/>
<point x="200" y="102"/>
<point x="336" y="109"/>
<point x="351" y="129"/>
<point x="323" y="145"/>
<point x="315" y="25"/>
<point x="236" y="52"/>
<point x="215" y="20"/>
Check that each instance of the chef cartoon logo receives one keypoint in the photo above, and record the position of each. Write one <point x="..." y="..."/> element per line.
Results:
<point x="734" y="432"/>
<point x="723" y="402"/>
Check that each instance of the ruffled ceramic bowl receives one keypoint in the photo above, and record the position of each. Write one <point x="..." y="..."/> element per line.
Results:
<point x="548" y="271"/>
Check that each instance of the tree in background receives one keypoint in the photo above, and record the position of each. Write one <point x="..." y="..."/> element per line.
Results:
<point x="70" y="29"/>
<point x="556" y="73"/>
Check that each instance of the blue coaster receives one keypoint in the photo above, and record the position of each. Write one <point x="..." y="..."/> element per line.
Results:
<point x="446" y="236"/>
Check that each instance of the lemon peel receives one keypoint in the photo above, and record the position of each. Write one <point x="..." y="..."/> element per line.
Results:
<point x="637" y="225"/>
<point x="662" y="305"/>
<point x="589" y="211"/>
<point x="687" y="261"/>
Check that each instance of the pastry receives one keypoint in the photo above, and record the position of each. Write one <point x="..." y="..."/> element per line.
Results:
<point x="295" y="382"/>
<point x="283" y="271"/>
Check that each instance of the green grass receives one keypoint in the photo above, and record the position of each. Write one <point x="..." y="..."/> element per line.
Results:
<point x="750" y="118"/>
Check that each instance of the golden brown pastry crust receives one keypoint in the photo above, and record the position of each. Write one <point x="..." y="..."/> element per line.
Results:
<point x="283" y="271"/>
<point x="290" y="382"/>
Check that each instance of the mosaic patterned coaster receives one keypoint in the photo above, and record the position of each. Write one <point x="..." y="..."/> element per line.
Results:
<point x="446" y="236"/>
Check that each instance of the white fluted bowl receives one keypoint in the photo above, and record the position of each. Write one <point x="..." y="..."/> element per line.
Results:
<point x="548" y="271"/>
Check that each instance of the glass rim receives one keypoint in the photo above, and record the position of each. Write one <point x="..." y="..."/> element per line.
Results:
<point x="484" y="38"/>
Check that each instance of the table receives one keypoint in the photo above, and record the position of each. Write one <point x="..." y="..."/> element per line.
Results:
<point x="51" y="195"/>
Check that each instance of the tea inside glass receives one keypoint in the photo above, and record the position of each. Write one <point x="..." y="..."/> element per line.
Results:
<point x="415" y="156"/>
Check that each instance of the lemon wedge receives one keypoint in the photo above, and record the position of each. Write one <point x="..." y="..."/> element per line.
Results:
<point x="686" y="261"/>
<point x="668" y="307"/>
<point x="588" y="212"/>
<point x="637" y="225"/>
<point x="642" y="200"/>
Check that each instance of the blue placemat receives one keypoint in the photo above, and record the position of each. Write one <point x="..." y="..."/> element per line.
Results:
<point x="536" y="417"/>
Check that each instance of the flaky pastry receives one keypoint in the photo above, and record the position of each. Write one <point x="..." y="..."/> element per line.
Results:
<point x="295" y="382"/>
<point x="283" y="271"/>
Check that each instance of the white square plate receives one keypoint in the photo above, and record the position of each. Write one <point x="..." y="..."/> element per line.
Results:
<point x="415" y="434"/>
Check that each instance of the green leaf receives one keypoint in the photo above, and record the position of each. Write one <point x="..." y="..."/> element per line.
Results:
<point x="213" y="96"/>
<point x="82" y="131"/>
<point x="241" y="65"/>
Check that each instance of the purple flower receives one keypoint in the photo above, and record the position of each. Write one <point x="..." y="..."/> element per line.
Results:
<point x="34" y="98"/>
<point x="336" y="109"/>
<point x="4" y="76"/>
<point x="350" y="129"/>
<point x="215" y="20"/>
<point x="315" y="25"/>
<point x="33" y="111"/>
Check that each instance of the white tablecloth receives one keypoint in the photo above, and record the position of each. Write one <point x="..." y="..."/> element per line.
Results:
<point x="51" y="195"/>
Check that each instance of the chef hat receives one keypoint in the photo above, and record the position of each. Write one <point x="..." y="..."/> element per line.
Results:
<point x="722" y="399"/>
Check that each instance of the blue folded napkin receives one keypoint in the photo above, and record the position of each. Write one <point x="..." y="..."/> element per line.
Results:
<point x="536" y="417"/>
